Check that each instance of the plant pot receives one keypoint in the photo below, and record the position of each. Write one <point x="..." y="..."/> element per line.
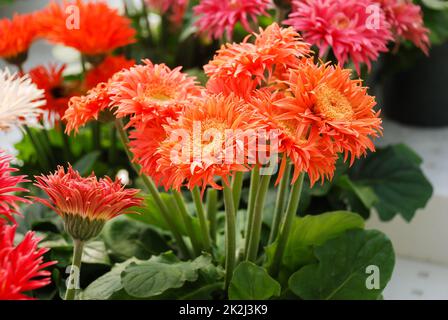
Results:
<point x="418" y="95"/>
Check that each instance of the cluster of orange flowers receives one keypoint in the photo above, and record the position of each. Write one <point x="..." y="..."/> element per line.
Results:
<point x="92" y="28"/>
<point x="270" y="83"/>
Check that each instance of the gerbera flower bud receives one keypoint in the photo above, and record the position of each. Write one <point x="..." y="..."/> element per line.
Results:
<point x="20" y="100"/>
<point x="8" y="185"/>
<point x="85" y="204"/>
<point x="21" y="265"/>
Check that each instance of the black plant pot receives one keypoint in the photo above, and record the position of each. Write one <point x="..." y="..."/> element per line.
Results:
<point x="419" y="95"/>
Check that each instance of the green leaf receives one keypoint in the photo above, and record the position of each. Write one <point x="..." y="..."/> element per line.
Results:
<point x="126" y="238"/>
<point x="311" y="231"/>
<point x="95" y="252"/>
<point x="85" y="164"/>
<point x="151" y="215"/>
<point x="108" y="284"/>
<point x="251" y="282"/>
<point x="395" y="176"/>
<point x="343" y="268"/>
<point x="159" y="274"/>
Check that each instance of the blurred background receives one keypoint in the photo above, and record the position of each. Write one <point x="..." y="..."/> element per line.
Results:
<point x="412" y="91"/>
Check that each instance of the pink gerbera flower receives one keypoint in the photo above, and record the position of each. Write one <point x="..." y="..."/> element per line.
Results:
<point x="8" y="185"/>
<point x="21" y="266"/>
<point x="349" y="27"/>
<point x="406" y="20"/>
<point x="219" y="16"/>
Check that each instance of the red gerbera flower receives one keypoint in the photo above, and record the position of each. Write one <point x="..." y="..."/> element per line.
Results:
<point x="89" y="198"/>
<point x="16" y="36"/>
<point x="21" y="266"/>
<point x="343" y="25"/>
<point x="217" y="17"/>
<point x="8" y="185"/>
<point x="104" y="71"/>
<point x="176" y="8"/>
<point x="51" y="80"/>
<point x="92" y="28"/>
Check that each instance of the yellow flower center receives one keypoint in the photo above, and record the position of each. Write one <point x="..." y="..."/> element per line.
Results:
<point x="159" y="93"/>
<point x="332" y="104"/>
<point x="341" y="22"/>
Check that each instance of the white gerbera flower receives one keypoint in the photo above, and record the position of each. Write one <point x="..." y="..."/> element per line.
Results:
<point x="20" y="100"/>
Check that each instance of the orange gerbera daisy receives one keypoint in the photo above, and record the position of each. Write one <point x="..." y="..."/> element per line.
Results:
<point x="82" y="109"/>
<point x="339" y="106"/>
<point x="211" y="139"/>
<point x="50" y="79"/>
<point x="16" y="36"/>
<point x="104" y="71"/>
<point x="93" y="28"/>
<point x="274" y="48"/>
<point x="152" y="90"/>
<point x="145" y="142"/>
<point x="85" y="204"/>
<point x="298" y="139"/>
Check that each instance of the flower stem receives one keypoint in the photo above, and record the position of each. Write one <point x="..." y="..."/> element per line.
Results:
<point x="65" y="143"/>
<point x="257" y="218"/>
<point x="253" y="189"/>
<point x="40" y="153"/>
<point x="237" y="185"/>
<point x="212" y="210"/>
<point x="197" y="198"/>
<point x="152" y="189"/>
<point x="75" y="271"/>
<point x="230" y="235"/>
<point x="280" y="204"/>
<point x="195" y="242"/>
<point x="291" y="211"/>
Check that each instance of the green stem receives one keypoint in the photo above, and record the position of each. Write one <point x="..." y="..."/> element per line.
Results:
<point x="113" y="145"/>
<point x="152" y="189"/>
<point x="44" y="139"/>
<point x="65" y="143"/>
<point x="197" y="198"/>
<point x="212" y="211"/>
<point x="96" y="133"/>
<point x="75" y="271"/>
<point x="230" y="235"/>
<point x="257" y="220"/>
<point x="280" y="204"/>
<point x="237" y="185"/>
<point x="253" y="189"/>
<point x="40" y="153"/>
<point x="203" y="290"/>
<point x="195" y="241"/>
<point x="291" y="212"/>
<point x="147" y="24"/>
